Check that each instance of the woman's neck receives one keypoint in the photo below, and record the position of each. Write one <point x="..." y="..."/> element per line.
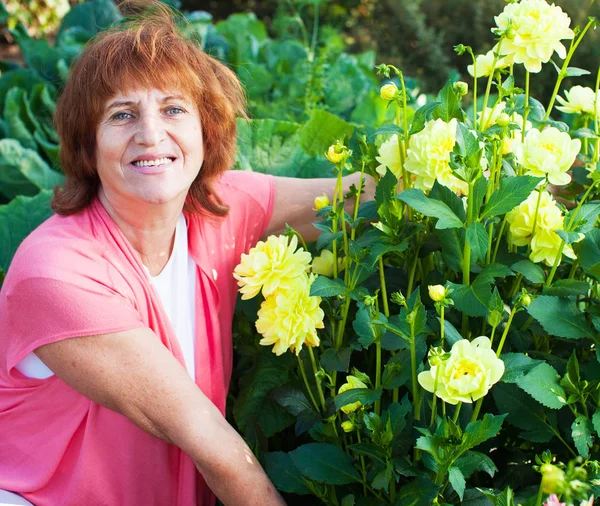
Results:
<point x="149" y="228"/>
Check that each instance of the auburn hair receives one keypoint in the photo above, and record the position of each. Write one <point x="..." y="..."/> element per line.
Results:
<point x="145" y="52"/>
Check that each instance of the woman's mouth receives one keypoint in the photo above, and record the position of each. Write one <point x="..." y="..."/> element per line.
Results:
<point x="155" y="166"/>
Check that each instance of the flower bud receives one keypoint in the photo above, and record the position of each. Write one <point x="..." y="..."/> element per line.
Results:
<point x="337" y="153"/>
<point x="526" y="300"/>
<point x="503" y="119"/>
<point x="436" y="292"/>
<point x="348" y="426"/>
<point x="460" y="88"/>
<point x="398" y="298"/>
<point x="321" y="202"/>
<point x="553" y="479"/>
<point x="389" y="92"/>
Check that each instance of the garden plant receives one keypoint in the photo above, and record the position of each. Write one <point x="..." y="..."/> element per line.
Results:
<point x="438" y="344"/>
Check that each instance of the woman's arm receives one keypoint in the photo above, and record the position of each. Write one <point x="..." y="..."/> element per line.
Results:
<point x="294" y="201"/>
<point x="133" y="374"/>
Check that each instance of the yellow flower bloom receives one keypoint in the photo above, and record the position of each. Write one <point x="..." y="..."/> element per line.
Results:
<point x="389" y="92"/>
<point x="535" y="30"/>
<point x="323" y="264"/>
<point x="548" y="153"/>
<point x="580" y="100"/>
<point x="351" y="382"/>
<point x="389" y="157"/>
<point x="545" y="241"/>
<point x="289" y="319"/>
<point x="347" y="426"/>
<point x="467" y="375"/>
<point x="428" y="156"/>
<point x="436" y="292"/>
<point x="485" y="64"/>
<point x="337" y="153"/>
<point x="321" y="201"/>
<point x="271" y="265"/>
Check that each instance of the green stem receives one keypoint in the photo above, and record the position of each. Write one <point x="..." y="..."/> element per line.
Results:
<point x="386" y="308"/>
<point x="505" y="333"/>
<point x="499" y="238"/>
<point x="378" y="375"/>
<point x="466" y="267"/>
<point x="492" y="335"/>
<point x="315" y="34"/>
<point x="334" y="224"/>
<point x="362" y="465"/>
<point x="525" y="106"/>
<point x="488" y="88"/>
<point x="405" y="179"/>
<point x="317" y="380"/>
<point x="308" y="389"/>
<point x="476" y="410"/>
<point x="563" y="71"/>
<point x="457" y="412"/>
<point x="357" y="201"/>
<point x="540" y="496"/>
<point x="415" y="384"/>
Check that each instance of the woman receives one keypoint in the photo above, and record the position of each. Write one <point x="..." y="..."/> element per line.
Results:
<point x="116" y="312"/>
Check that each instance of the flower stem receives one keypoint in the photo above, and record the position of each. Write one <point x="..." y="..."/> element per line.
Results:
<point x="499" y="239"/>
<point x="563" y="71"/>
<point x="337" y="193"/>
<point x="466" y="267"/>
<point x="505" y="333"/>
<point x="457" y="412"/>
<point x="317" y="380"/>
<point x="378" y="375"/>
<point x="415" y="385"/>
<point x="362" y="464"/>
<point x="476" y="410"/>
<point x="525" y="106"/>
<point x="308" y="389"/>
<point x="386" y="308"/>
<point x="538" y="501"/>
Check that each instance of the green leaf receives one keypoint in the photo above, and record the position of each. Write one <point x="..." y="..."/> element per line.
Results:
<point x="93" y="16"/>
<point x="581" y="430"/>
<point x="576" y="72"/>
<point x="589" y="253"/>
<point x="530" y="271"/>
<point x="478" y="239"/>
<point x="389" y="129"/>
<point x="419" y="492"/>
<point x="449" y="105"/>
<point x="365" y="396"/>
<point x="326" y="287"/>
<point x="369" y="450"/>
<point x="567" y="288"/>
<point x="25" y="79"/>
<point x="516" y="365"/>
<point x="596" y="421"/>
<point x="22" y="171"/>
<point x="418" y="200"/>
<point x="512" y="191"/>
<point x="321" y="130"/>
<point x="14" y="114"/>
<point x="397" y="371"/>
<point x="17" y="219"/>
<point x="348" y="500"/>
<point x="422" y="116"/>
<point x="448" y="197"/>
<point x="473" y="461"/>
<point x="568" y="237"/>
<point x="523" y="412"/>
<point x="457" y="480"/>
<point x="479" y="191"/>
<point x="336" y="359"/>
<point x="560" y="317"/>
<point x="542" y="383"/>
<point x="284" y="474"/>
<point x="292" y="399"/>
<point x="367" y="332"/>
<point x="585" y="219"/>
<point x="481" y="430"/>
<point x="325" y="463"/>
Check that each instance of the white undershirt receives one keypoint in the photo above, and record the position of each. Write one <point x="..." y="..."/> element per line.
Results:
<point x="176" y="289"/>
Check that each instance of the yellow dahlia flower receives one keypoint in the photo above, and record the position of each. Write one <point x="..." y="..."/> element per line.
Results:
<point x="580" y="100"/>
<point x="321" y="201"/>
<point x="467" y="375"/>
<point x="485" y="64"/>
<point x="545" y="241"/>
<point x="351" y="382"/>
<point x="271" y="265"/>
<point x="428" y="156"/>
<point x="534" y="31"/>
<point x="389" y="157"/>
<point x="548" y="153"/>
<point x="289" y="319"/>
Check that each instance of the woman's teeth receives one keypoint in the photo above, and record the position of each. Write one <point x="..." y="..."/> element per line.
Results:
<point x="151" y="163"/>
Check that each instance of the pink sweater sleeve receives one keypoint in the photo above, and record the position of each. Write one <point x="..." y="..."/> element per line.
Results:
<point x="53" y="294"/>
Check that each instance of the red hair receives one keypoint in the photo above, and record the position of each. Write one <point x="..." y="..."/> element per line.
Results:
<point x="147" y="53"/>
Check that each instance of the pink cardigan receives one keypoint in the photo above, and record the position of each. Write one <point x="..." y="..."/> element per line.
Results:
<point x="76" y="276"/>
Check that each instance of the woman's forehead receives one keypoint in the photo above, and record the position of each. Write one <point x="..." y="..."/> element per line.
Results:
<point x="136" y="96"/>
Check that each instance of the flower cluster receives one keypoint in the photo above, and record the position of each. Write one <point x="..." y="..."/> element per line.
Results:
<point x="533" y="31"/>
<point x="544" y="241"/>
<point x="289" y="316"/>
<point x="467" y="374"/>
<point x="548" y="153"/>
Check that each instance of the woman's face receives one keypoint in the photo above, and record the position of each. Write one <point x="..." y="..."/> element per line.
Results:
<point x="148" y="146"/>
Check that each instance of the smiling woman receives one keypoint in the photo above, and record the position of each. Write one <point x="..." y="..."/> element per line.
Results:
<point x="116" y="353"/>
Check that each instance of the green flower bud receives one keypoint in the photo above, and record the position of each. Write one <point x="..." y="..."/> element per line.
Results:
<point x="553" y="479"/>
<point x="389" y="92"/>
<point x="348" y="426"/>
<point x="503" y="119"/>
<point x="398" y="298"/>
<point x="526" y="300"/>
<point x="460" y="88"/>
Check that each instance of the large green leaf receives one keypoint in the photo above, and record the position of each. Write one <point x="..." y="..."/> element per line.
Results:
<point x="26" y="79"/>
<point x="23" y="172"/>
<point x="17" y="219"/>
<point x="530" y="271"/>
<point x="92" y="16"/>
<point x="581" y="431"/>
<point x="596" y="421"/>
<point x="473" y="461"/>
<point x="585" y="219"/>
<point x="512" y="191"/>
<point x="325" y="463"/>
<point x="589" y="253"/>
<point x="363" y="395"/>
<point x="321" y="130"/>
<point x="516" y="365"/>
<point x="542" y="383"/>
<point x="284" y="474"/>
<point x="416" y="199"/>
<point x="457" y="480"/>
<point x="478" y="239"/>
<point x="419" y="492"/>
<point x="449" y="106"/>
<point x="245" y="33"/>
<point x="326" y="287"/>
<point x="481" y="430"/>
<point x="560" y="317"/>
<point x="15" y="115"/>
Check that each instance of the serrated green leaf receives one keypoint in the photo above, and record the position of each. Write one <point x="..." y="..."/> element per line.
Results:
<point x="292" y="399"/>
<point x="448" y="197"/>
<point x="389" y="129"/>
<point x="473" y="461"/>
<point x="481" y="430"/>
<point x="516" y="365"/>
<point x="369" y="450"/>
<point x="321" y="130"/>
<point x="419" y="492"/>
<point x="457" y="480"/>
<point x="530" y="271"/>
<point x="326" y="287"/>
<point x="542" y="383"/>
<point x="365" y="396"/>
<point x="560" y="317"/>
<point x="512" y="191"/>
<point x="336" y="359"/>
<point x="325" y="463"/>
<point x="567" y="288"/>
<point x="397" y="371"/>
<point x="429" y="207"/>
<point x="283" y="473"/>
<point x="422" y="116"/>
<point x="589" y="253"/>
<point x="581" y="431"/>
<point x="449" y="105"/>
<point x="478" y="239"/>
<point x="585" y="219"/>
<point x="596" y="421"/>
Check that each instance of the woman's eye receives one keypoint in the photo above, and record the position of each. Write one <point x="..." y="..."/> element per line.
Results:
<point x="121" y="116"/>
<point x="175" y="110"/>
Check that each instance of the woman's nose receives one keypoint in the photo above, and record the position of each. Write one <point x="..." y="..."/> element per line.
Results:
<point x="150" y="130"/>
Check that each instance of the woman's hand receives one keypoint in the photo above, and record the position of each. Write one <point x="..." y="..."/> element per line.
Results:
<point x="132" y="373"/>
<point x="294" y="201"/>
